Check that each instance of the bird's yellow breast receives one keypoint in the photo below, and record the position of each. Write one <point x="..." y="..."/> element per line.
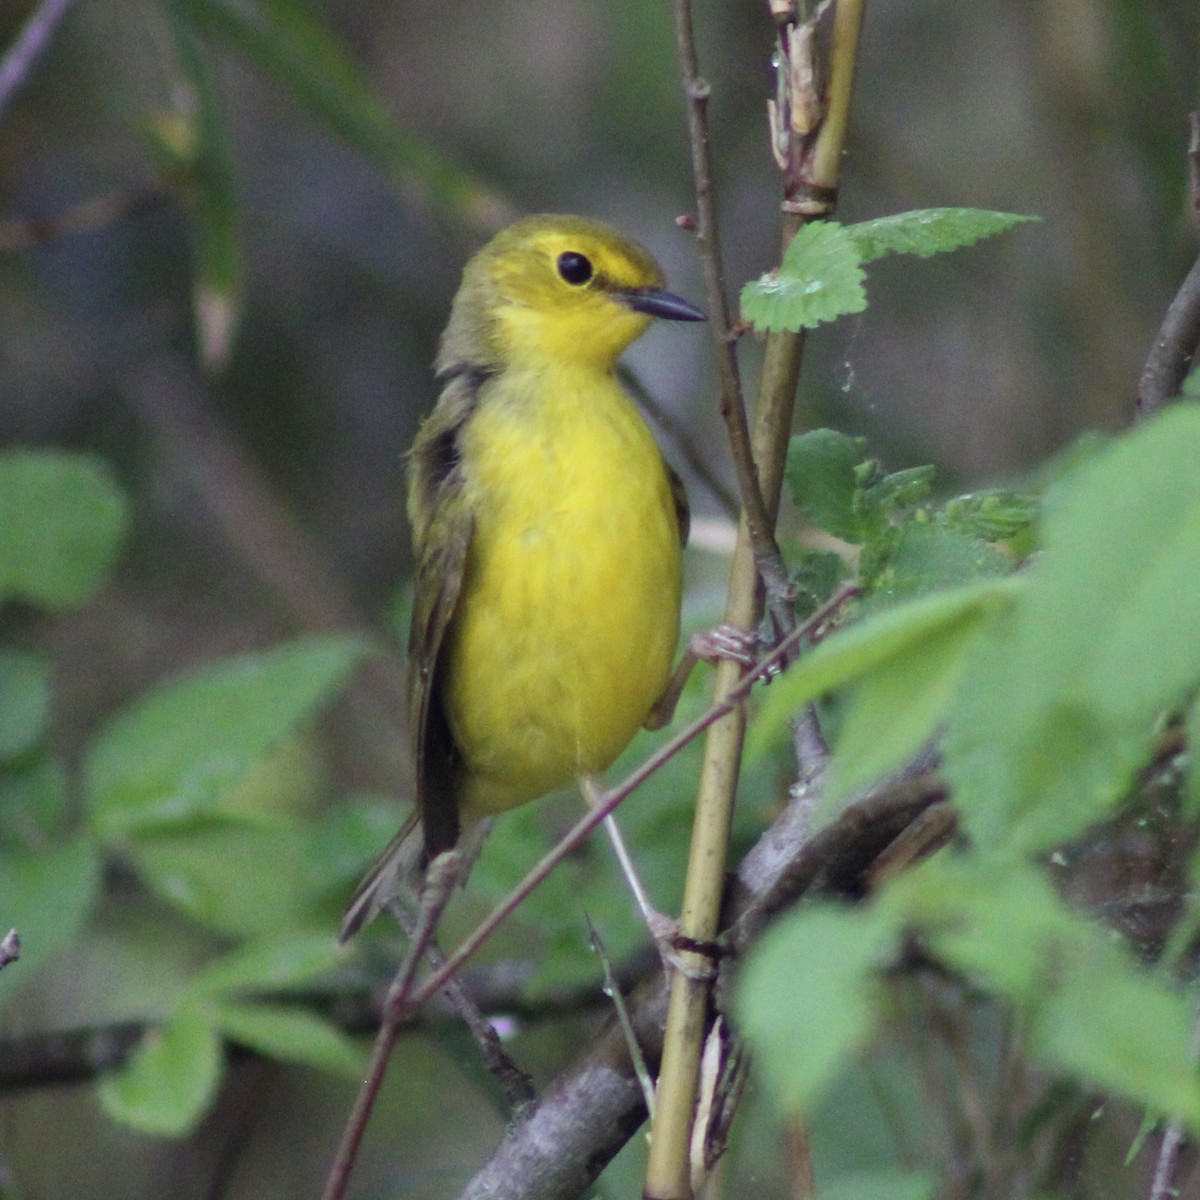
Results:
<point x="568" y="617"/>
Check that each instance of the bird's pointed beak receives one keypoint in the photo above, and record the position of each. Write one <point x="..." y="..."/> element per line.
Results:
<point x="656" y="303"/>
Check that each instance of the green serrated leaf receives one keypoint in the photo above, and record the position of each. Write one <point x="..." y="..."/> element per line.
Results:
<point x="819" y="280"/>
<point x="994" y="515"/>
<point x="277" y="960"/>
<point x="170" y="1080"/>
<point x="47" y="897"/>
<point x="62" y="520"/>
<point x="902" y="489"/>
<point x="823" y="477"/>
<point x="929" y="231"/>
<point x="291" y="1035"/>
<point x="24" y="701"/>
<point x="177" y="753"/>
<point x="808" y="997"/>
<point x="874" y="643"/>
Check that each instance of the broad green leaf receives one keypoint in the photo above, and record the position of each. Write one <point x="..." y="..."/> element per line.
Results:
<point x="893" y="710"/>
<point x="819" y="280"/>
<point x="1056" y="711"/>
<point x="171" y="1079"/>
<point x="178" y="752"/>
<point x="808" y="997"/>
<point x="277" y="960"/>
<point x="291" y="44"/>
<point x="1113" y="1024"/>
<point x="874" y="643"/>
<point x="1191" y="385"/>
<point x="929" y="231"/>
<point x="234" y="878"/>
<point x="62" y="520"/>
<point x="289" y="1034"/>
<point x="823" y="480"/>
<point x="24" y="701"/>
<point x="47" y="897"/>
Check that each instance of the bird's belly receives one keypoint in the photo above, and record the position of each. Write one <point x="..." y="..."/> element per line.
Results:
<point x="567" y="624"/>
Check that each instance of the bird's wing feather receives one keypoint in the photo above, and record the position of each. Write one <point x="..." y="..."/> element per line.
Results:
<point x="683" y="513"/>
<point x="443" y="524"/>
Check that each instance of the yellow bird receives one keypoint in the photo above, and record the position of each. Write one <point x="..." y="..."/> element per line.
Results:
<point x="548" y="534"/>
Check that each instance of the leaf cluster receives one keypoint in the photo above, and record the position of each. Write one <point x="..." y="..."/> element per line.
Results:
<point x="1047" y="691"/>
<point x="190" y="787"/>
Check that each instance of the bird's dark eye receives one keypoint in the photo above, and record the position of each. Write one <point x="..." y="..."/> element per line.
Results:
<point x="575" y="268"/>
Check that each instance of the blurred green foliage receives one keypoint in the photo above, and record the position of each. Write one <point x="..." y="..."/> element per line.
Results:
<point x="229" y="233"/>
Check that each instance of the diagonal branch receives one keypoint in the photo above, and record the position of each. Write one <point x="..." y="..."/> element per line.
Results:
<point x="1176" y="347"/>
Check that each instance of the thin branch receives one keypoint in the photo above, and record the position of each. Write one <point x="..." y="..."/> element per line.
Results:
<point x="30" y="44"/>
<point x="1177" y="343"/>
<point x="732" y="404"/>
<point x="1162" y="1185"/>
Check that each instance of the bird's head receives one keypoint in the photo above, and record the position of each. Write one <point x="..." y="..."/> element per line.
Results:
<point x="558" y="289"/>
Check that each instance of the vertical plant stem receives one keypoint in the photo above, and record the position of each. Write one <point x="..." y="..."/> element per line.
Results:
<point x="807" y="194"/>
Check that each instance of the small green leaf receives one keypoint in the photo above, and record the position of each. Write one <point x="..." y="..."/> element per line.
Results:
<point x="178" y="752"/>
<point x="924" y="558"/>
<point x="170" y="1081"/>
<point x="291" y="1035"/>
<point x="62" y="520"/>
<point x="929" y="231"/>
<point x="47" y="897"/>
<point x="815" y="575"/>
<point x="277" y="960"/>
<point x="808" y="997"/>
<point x="874" y="643"/>
<point x="24" y="701"/>
<point x="819" y="280"/>
<point x="823" y="480"/>
<point x="994" y="515"/>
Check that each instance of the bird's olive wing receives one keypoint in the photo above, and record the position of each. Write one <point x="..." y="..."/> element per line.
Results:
<point x="442" y="524"/>
<point x="683" y="514"/>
